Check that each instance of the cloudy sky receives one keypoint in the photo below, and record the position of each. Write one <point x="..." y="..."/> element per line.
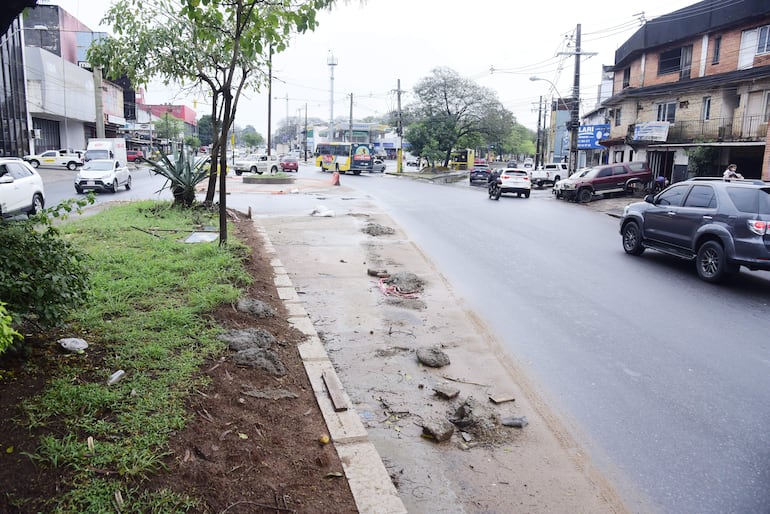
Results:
<point x="378" y="42"/>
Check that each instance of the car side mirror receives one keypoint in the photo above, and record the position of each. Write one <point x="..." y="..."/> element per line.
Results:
<point x="649" y="199"/>
<point x="6" y="179"/>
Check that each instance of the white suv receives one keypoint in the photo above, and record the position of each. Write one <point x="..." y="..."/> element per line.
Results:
<point x="21" y="188"/>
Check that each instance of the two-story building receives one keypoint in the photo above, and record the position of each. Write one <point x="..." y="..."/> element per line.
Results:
<point x="691" y="91"/>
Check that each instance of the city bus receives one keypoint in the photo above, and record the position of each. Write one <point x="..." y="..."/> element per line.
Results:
<point x="321" y="149"/>
<point x="345" y="157"/>
<point x="461" y="159"/>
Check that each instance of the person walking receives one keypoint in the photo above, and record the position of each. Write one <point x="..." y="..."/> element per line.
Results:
<point x="731" y="172"/>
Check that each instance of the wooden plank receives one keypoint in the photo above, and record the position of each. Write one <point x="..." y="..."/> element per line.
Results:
<point x="336" y="393"/>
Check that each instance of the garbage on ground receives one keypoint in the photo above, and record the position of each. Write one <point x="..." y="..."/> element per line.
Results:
<point x="116" y="377"/>
<point x="73" y="344"/>
<point x="322" y="212"/>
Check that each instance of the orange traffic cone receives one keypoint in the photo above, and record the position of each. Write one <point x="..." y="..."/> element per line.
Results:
<point x="336" y="178"/>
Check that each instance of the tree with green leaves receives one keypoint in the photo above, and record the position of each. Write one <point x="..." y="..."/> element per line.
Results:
<point x="168" y="127"/>
<point x="204" y="129"/>
<point x="221" y="46"/>
<point x="454" y="112"/>
<point x="252" y="139"/>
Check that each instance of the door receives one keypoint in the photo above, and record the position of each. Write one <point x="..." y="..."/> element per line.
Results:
<point x="661" y="221"/>
<point x="604" y="181"/>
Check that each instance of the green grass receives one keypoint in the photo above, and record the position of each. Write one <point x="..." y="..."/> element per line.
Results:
<point x="145" y="316"/>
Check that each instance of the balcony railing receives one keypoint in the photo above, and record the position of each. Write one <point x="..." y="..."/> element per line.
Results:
<point x="747" y="128"/>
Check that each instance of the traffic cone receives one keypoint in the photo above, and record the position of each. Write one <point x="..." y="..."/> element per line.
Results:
<point x="336" y="178"/>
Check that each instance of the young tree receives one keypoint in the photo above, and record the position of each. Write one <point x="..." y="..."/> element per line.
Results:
<point x="204" y="129"/>
<point x="218" y="45"/>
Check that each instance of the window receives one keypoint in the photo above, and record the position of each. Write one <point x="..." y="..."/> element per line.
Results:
<point x="606" y="172"/>
<point x="18" y="170"/>
<point x="617" y="117"/>
<point x="745" y="200"/>
<point x="676" y="60"/>
<point x="619" y="170"/>
<point x="701" y="196"/>
<point x="626" y="77"/>
<point x="667" y="112"/>
<point x="717" y="50"/>
<point x="706" y="114"/>
<point x="767" y="106"/>
<point x="618" y="156"/>
<point x="672" y="196"/>
<point x="763" y="40"/>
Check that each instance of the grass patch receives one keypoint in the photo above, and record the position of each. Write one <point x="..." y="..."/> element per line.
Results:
<point x="145" y="316"/>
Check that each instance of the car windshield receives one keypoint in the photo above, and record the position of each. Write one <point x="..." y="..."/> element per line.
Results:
<point x="590" y="173"/>
<point x="99" y="165"/>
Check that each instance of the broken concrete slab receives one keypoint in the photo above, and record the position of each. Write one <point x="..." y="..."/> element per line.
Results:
<point x="433" y="357"/>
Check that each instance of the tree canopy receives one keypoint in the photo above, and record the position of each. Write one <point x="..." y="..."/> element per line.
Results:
<point x="454" y="112"/>
<point x="220" y="46"/>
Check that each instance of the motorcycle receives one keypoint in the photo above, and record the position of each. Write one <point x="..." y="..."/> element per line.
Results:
<point x="495" y="188"/>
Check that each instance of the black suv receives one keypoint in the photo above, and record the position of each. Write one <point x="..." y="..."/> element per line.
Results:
<point x="721" y="224"/>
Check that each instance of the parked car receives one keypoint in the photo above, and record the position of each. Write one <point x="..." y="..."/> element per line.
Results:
<point x="289" y="163"/>
<point x="70" y="159"/>
<point x="515" y="181"/>
<point x="102" y="175"/>
<point x="558" y="186"/>
<point x="622" y="177"/>
<point x="548" y="173"/>
<point x="257" y="163"/>
<point x="21" y="188"/>
<point x="378" y="165"/>
<point x="479" y="173"/>
<point x="720" y="224"/>
<point x="131" y="155"/>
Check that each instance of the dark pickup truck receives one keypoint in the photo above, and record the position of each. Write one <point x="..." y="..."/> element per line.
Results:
<point x="621" y="177"/>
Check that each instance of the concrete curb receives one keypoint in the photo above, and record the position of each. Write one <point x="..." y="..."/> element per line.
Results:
<point x="367" y="477"/>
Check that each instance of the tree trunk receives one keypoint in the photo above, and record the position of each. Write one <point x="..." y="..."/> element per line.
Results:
<point x="215" y="149"/>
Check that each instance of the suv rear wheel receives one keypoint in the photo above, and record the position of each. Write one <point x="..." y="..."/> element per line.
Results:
<point x="711" y="263"/>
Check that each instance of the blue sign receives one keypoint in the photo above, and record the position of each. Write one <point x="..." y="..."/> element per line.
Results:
<point x="590" y="135"/>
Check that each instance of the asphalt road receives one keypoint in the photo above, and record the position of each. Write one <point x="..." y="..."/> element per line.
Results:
<point x="664" y="378"/>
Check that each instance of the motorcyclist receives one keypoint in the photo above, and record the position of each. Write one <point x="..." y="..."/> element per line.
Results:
<point x="493" y="177"/>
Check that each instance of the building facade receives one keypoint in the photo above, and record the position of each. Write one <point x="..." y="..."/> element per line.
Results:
<point x="691" y="92"/>
<point x="14" y="120"/>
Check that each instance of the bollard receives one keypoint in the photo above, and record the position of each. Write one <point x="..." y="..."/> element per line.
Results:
<point x="336" y="178"/>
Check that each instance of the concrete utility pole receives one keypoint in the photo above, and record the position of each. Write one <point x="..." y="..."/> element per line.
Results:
<point x="269" y="99"/>
<point x="400" y="133"/>
<point x="350" y="123"/>
<point x="332" y="62"/>
<point x="539" y="133"/>
<point x="574" y="122"/>
<point x="304" y="145"/>
<point x="98" y="100"/>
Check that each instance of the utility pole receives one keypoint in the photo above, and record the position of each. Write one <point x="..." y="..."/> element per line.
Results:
<point x="98" y="102"/>
<point x="269" y="98"/>
<point x="350" y="121"/>
<point x="332" y="62"/>
<point x="539" y="133"/>
<point x="305" y="143"/>
<point x="400" y="133"/>
<point x="574" y="122"/>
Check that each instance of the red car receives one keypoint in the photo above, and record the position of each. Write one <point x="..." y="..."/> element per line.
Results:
<point x="131" y="155"/>
<point x="289" y="164"/>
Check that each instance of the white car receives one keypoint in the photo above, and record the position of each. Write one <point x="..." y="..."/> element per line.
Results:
<point x="102" y="175"/>
<point x="257" y="164"/>
<point x="515" y="180"/>
<point x="21" y="188"/>
<point x="558" y="187"/>
<point x="68" y="158"/>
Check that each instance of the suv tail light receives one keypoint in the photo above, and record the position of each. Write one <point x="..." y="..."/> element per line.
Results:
<point x="759" y="227"/>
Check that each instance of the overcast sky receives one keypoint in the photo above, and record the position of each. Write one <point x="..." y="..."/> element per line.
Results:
<point x="378" y="42"/>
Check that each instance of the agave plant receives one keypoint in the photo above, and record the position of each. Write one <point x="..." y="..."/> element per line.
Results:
<point x="183" y="172"/>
